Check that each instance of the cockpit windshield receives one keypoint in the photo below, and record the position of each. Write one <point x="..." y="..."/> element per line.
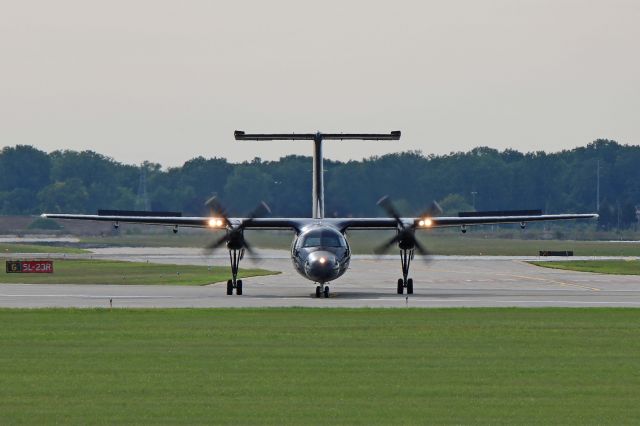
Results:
<point x="322" y="238"/>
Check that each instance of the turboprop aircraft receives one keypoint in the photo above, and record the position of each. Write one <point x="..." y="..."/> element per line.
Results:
<point x="320" y="251"/>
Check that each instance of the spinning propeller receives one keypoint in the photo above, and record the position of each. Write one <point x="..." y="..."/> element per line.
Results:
<point x="234" y="235"/>
<point x="405" y="237"/>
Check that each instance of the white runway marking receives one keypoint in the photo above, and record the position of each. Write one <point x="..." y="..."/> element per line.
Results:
<point x="585" y="302"/>
<point x="88" y="296"/>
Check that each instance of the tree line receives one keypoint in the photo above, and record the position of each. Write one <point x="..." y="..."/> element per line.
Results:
<point x="32" y="181"/>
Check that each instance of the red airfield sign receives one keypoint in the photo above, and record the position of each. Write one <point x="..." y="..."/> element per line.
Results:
<point x="29" y="266"/>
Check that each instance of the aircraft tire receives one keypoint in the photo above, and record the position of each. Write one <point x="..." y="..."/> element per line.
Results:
<point x="239" y="287"/>
<point x="229" y="287"/>
<point x="326" y="292"/>
<point x="400" y="286"/>
<point x="410" y="286"/>
<point x="318" y="291"/>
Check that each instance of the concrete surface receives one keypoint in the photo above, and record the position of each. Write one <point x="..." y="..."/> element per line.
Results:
<point x="446" y="281"/>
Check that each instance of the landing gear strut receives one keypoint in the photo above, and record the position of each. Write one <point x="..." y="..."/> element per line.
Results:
<point x="235" y="256"/>
<point x="322" y="290"/>
<point x="406" y="256"/>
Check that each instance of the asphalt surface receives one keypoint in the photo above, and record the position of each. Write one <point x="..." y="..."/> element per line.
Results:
<point x="447" y="281"/>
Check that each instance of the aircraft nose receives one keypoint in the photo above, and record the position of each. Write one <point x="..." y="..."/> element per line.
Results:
<point x="321" y="266"/>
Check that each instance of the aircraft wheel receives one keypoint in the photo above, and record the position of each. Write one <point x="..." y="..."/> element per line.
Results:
<point x="326" y="292"/>
<point x="400" y="286"/>
<point x="410" y="286"/>
<point x="317" y="291"/>
<point x="239" y="287"/>
<point x="229" y="288"/>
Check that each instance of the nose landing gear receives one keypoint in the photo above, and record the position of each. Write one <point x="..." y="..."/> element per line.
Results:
<point x="406" y="256"/>
<point x="322" y="290"/>
<point x="235" y="256"/>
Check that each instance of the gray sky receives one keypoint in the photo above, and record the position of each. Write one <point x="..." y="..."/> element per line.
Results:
<point x="169" y="80"/>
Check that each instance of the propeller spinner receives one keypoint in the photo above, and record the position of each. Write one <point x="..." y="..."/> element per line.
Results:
<point x="234" y="236"/>
<point x="405" y="237"/>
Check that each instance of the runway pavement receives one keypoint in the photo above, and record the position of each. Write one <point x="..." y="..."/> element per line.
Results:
<point x="447" y="281"/>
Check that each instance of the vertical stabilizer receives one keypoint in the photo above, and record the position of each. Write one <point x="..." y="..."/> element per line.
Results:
<point x="318" y="179"/>
<point x="317" y="138"/>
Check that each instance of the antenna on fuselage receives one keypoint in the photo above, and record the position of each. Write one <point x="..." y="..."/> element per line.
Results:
<point x="317" y="138"/>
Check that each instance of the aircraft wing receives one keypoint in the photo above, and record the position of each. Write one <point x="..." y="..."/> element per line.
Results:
<point x="297" y="224"/>
<point x="200" y="222"/>
<point x="188" y="221"/>
<point x="440" y="222"/>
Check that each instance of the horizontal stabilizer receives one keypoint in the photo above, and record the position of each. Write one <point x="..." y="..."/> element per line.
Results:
<point x="242" y="136"/>
<point x="138" y="213"/>
<point x="501" y="213"/>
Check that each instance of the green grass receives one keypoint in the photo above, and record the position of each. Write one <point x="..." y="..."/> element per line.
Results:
<point x="363" y="242"/>
<point x="333" y="366"/>
<point x="463" y="245"/>
<point x="116" y="272"/>
<point x="617" y="267"/>
<point x="36" y="248"/>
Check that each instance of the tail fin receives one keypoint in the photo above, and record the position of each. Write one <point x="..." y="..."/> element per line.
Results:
<point x="317" y="138"/>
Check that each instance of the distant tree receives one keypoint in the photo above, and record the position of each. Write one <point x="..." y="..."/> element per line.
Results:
<point x="454" y="203"/>
<point x="87" y="166"/>
<point x="32" y="181"/>
<point x="25" y="167"/>
<point x="290" y="188"/>
<point x="205" y="176"/>
<point x="246" y="188"/>
<point x="19" y="201"/>
<point x="69" y="196"/>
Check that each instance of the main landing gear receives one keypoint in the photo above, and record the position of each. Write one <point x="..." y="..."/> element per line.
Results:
<point x="406" y="256"/>
<point x="235" y="256"/>
<point x="322" y="290"/>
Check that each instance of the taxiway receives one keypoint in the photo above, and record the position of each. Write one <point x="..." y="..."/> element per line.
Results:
<point x="446" y="281"/>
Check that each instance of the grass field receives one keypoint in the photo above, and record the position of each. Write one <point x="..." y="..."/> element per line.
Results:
<point x="442" y="243"/>
<point x="35" y="248"/>
<point x="618" y="267"/>
<point x="293" y="366"/>
<point x="462" y="245"/>
<point x="115" y="272"/>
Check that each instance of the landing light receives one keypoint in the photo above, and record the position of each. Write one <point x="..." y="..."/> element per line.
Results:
<point x="215" y="222"/>
<point x="322" y="260"/>
<point x="425" y="222"/>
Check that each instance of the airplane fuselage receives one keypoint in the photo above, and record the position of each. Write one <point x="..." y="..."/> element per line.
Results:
<point x="320" y="253"/>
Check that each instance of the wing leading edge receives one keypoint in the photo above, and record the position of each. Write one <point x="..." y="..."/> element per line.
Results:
<point x="188" y="221"/>
<point x="441" y="222"/>
<point x="297" y="224"/>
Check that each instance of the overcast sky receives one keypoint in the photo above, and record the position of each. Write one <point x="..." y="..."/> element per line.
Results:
<point x="166" y="81"/>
